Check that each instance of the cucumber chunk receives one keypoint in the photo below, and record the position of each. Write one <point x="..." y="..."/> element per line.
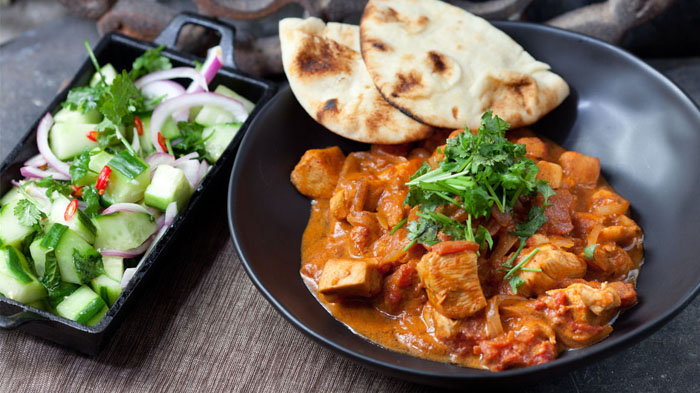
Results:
<point x="70" y="242"/>
<point x="169" y="129"/>
<point x="225" y="91"/>
<point x="81" y="306"/>
<point x="70" y="139"/>
<point x="12" y="232"/>
<point x="114" y="267"/>
<point x="98" y="317"/>
<point x="108" y="71"/>
<point x="71" y="116"/>
<point x="16" y="280"/>
<point x="145" y="139"/>
<point x="120" y="188"/>
<point x="12" y="195"/>
<point x="123" y="230"/>
<point x="38" y="253"/>
<point x="218" y="137"/>
<point x="59" y="294"/>
<point x="169" y="184"/>
<point x="80" y="222"/>
<point x="108" y="288"/>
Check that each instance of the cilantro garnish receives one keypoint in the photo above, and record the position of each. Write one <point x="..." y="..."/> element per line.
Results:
<point x="79" y="167"/>
<point x="88" y="265"/>
<point x="92" y="199"/>
<point x="192" y="140"/>
<point x="479" y="171"/>
<point x="150" y="61"/>
<point x="52" y="186"/>
<point x="27" y="213"/>
<point x="589" y="251"/>
<point x="84" y="98"/>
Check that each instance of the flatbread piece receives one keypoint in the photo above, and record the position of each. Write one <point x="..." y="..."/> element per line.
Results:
<point x="444" y="66"/>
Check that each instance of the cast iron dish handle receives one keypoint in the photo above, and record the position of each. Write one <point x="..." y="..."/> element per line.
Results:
<point x="16" y="320"/>
<point x="168" y="36"/>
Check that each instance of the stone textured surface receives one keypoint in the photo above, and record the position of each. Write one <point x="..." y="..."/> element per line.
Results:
<point x="204" y="327"/>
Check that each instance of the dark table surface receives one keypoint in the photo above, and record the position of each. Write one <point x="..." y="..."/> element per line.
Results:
<point x="204" y="327"/>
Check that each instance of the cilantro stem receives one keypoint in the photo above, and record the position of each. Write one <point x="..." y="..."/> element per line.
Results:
<point x="495" y="197"/>
<point x="517" y="252"/>
<point x="125" y="142"/>
<point x="409" y="245"/>
<point x="519" y="265"/>
<point x="516" y="196"/>
<point x="169" y="146"/>
<point x="30" y="198"/>
<point x="98" y="69"/>
<point x="398" y="226"/>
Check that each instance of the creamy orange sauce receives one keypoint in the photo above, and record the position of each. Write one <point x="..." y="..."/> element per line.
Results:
<point x="406" y="325"/>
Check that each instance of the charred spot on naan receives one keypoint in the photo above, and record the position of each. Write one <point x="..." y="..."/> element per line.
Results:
<point x="438" y="62"/>
<point x="455" y="112"/>
<point x="406" y="82"/>
<point x="508" y="91"/>
<point x="390" y="15"/>
<point x="319" y="56"/>
<point x="330" y="107"/>
<point x="382" y="46"/>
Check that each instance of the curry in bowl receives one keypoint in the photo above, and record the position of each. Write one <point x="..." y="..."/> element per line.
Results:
<point x="479" y="249"/>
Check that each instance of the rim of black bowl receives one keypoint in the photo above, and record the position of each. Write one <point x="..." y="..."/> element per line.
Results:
<point x="602" y="348"/>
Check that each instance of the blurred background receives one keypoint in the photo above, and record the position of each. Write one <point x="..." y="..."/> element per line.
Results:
<point x="651" y="29"/>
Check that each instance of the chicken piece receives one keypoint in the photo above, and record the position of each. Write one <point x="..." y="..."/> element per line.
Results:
<point x="605" y="202"/>
<point x="556" y="265"/>
<point x="442" y="327"/>
<point x="317" y="172"/>
<point x="452" y="283"/>
<point x="584" y="224"/>
<point x="391" y="207"/>
<point x="350" y="277"/>
<point x="536" y="149"/>
<point x="580" y="169"/>
<point x="558" y="212"/>
<point x="623" y="235"/>
<point x="610" y="262"/>
<point x="580" y="313"/>
<point x="550" y="172"/>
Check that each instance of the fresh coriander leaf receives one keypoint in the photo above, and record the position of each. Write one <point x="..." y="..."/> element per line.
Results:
<point x="121" y="101"/>
<point x="546" y="191"/>
<point x="192" y="140"/>
<point x="52" y="186"/>
<point x="589" y="251"/>
<point x="79" y="167"/>
<point x="483" y="237"/>
<point x="535" y="220"/>
<point x="84" y="98"/>
<point x="88" y="265"/>
<point x="52" y="275"/>
<point x="92" y="199"/>
<point x="423" y="231"/>
<point x="515" y="282"/>
<point x="150" y="61"/>
<point x="27" y="213"/>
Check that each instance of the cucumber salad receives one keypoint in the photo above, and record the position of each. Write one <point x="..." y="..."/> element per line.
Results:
<point x="116" y="163"/>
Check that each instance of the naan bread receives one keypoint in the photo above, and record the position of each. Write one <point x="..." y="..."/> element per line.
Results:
<point x="444" y="66"/>
<point x="328" y="77"/>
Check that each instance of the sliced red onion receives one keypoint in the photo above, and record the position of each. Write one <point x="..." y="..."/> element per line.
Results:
<point x="191" y="170"/>
<point x="159" y="158"/>
<point x="15" y="183"/>
<point x="132" y="252"/>
<point x="127" y="276"/>
<point x="203" y="169"/>
<point x="166" y="108"/>
<point x="36" y="161"/>
<point x="209" y="69"/>
<point x="186" y="157"/>
<point x="169" y="89"/>
<point x="31" y="172"/>
<point x="82" y="205"/>
<point x="173" y="73"/>
<point x="170" y="213"/>
<point x="125" y="207"/>
<point x="42" y="141"/>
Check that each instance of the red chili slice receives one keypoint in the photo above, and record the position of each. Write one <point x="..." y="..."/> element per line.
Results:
<point x="71" y="209"/>
<point x="138" y="124"/>
<point x="77" y="191"/>
<point x="103" y="179"/>
<point x="161" y="142"/>
<point x="92" y="135"/>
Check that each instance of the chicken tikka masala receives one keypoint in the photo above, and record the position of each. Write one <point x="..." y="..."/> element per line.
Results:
<point x="476" y="248"/>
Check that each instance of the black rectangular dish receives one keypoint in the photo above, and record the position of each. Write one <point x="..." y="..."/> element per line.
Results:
<point x="121" y="51"/>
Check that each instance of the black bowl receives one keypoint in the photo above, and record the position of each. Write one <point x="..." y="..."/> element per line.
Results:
<point x="645" y="131"/>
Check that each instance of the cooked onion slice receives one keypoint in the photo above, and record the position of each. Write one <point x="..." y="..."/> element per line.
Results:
<point x="36" y="161"/>
<point x="42" y="141"/>
<point x="173" y="73"/>
<point x="167" y="108"/>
